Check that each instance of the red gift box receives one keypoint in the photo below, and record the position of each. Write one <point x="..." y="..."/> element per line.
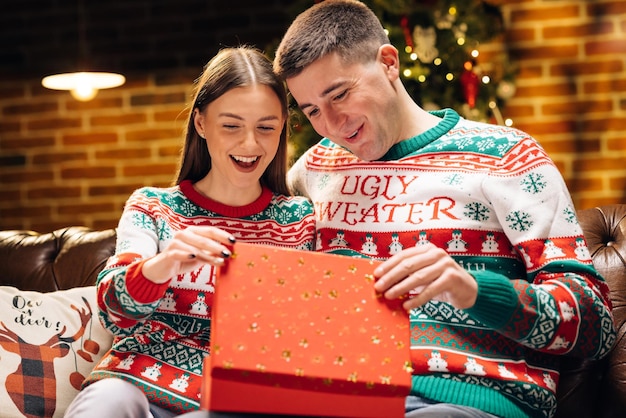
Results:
<point x="304" y="333"/>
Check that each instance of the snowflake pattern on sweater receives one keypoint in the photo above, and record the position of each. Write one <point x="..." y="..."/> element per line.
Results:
<point x="162" y="332"/>
<point x="491" y="197"/>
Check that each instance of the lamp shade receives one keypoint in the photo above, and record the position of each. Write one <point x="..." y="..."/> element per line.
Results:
<point x="83" y="85"/>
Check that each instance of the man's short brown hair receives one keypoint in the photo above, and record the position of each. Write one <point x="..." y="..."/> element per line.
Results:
<point x="347" y="27"/>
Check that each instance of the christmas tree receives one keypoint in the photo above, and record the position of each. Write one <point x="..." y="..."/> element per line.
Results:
<point x="452" y="56"/>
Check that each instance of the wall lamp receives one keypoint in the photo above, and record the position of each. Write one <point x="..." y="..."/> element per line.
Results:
<point x="83" y="85"/>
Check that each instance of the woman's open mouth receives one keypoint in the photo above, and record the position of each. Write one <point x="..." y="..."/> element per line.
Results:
<point x="245" y="162"/>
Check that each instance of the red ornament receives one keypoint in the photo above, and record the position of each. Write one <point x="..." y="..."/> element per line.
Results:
<point x="408" y="38"/>
<point x="469" y="83"/>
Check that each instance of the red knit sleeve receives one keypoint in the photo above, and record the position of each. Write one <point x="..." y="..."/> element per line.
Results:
<point x="140" y="288"/>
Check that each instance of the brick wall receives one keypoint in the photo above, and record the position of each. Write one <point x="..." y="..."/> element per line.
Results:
<point x="571" y="89"/>
<point x="71" y="163"/>
<point x="66" y="162"/>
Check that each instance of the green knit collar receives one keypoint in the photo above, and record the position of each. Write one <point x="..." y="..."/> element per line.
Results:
<point x="449" y="119"/>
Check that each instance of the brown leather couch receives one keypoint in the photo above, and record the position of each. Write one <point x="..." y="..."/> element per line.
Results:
<point x="73" y="257"/>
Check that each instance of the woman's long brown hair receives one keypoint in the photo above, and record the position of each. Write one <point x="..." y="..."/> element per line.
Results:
<point x="230" y="68"/>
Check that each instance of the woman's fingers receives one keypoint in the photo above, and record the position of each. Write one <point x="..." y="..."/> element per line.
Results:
<point x="213" y="233"/>
<point x="204" y="243"/>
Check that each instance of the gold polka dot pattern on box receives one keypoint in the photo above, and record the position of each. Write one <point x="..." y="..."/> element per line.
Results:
<point x="307" y="320"/>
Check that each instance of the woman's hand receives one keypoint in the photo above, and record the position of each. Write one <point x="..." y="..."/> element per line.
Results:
<point x="188" y="250"/>
<point x="425" y="273"/>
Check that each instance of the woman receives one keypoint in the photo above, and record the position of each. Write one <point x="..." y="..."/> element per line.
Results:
<point x="155" y="293"/>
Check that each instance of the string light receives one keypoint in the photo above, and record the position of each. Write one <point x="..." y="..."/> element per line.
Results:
<point x="420" y="54"/>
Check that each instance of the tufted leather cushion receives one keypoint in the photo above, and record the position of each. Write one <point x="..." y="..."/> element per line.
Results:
<point x="598" y="389"/>
<point x="63" y="259"/>
<point x="74" y="256"/>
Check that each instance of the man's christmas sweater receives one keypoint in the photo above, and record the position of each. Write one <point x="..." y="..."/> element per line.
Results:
<point x="492" y="198"/>
<point x="162" y="331"/>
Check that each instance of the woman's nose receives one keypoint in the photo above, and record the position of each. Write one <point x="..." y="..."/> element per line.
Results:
<point x="250" y="137"/>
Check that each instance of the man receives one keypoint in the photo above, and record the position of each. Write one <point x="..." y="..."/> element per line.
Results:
<point x="475" y="223"/>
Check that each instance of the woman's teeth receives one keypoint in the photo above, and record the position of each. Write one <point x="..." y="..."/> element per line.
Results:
<point x="245" y="162"/>
<point x="244" y="159"/>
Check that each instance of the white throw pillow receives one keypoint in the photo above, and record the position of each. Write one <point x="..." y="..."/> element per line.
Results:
<point x="49" y="342"/>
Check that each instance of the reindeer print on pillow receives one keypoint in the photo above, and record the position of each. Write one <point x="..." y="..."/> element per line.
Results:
<point x="49" y="342"/>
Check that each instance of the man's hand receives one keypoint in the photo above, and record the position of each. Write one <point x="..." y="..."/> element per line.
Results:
<point x="427" y="273"/>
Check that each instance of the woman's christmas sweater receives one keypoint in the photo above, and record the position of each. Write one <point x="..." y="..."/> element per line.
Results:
<point x="161" y="331"/>
<point x="491" y="197"/>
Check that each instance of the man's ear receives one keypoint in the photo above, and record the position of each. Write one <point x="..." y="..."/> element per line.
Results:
<point x="389" y="58"/>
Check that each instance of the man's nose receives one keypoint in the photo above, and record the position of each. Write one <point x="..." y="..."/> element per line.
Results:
<point x="334" y="119"/>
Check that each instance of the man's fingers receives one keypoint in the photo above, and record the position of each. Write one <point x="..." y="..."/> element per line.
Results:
<point x="399" y="258"/>
<point x="425" y="294"/>
<point x="409" y="273"/>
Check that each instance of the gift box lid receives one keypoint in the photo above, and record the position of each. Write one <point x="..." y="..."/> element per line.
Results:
<point x="310" y="321"/>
